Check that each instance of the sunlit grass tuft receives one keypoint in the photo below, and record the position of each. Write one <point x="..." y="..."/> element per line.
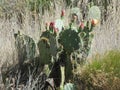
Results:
<point x="110" y="62"/>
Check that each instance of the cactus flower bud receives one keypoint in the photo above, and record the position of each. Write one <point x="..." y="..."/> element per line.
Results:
<point x="82" y="25"/>
<point x="62" y="13"/>
<point x="55" y="30"/>
<point x="46" y="24"/>
<point x="94" y="22"/>
<point x="52" y="24"/>
<point x="74" y="17"/>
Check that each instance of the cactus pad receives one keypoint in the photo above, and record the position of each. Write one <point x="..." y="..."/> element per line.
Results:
<point x="44" y="51"/>
<point x="47" y="47"/>
<point x="70" y="40"/>
<point x="76" y="11"/>
<point x="69" y="86"/>
<point x="25" y="46"/>
<point x="94" y="13"/>
<point x="52" y="42"/>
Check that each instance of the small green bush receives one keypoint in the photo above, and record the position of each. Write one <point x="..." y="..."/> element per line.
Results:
<point x="102" y="74"/>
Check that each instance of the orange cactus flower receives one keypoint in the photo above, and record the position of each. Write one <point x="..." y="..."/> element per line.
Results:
<point x="94" y="22"/>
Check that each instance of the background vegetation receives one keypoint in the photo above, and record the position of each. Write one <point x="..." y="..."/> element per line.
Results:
<point x="102" y="74"/>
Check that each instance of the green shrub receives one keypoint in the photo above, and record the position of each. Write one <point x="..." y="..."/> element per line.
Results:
<point x="102" y="74"/>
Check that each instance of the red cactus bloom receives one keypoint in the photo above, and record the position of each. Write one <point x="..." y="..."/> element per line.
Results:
<point x="82" y="25"/>
<point x="94" y="22"/>
<point x="63" y="13"/>
<point x="52" y="24"/>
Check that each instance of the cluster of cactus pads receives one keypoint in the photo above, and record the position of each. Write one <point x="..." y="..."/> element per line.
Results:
<point x="65" y="47"/>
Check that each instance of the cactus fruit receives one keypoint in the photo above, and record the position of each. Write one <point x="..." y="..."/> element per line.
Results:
<point x="59" y="23"/>
<point x="52" y="27"/>
<point x="94" y="22"/>
<point x="62" y="13"/>
<point x="82" y="25"/>
<point x="52" y="24"/>
<point x="56" y="30"/>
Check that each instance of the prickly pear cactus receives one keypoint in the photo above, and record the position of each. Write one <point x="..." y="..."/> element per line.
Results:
<point x="47" y="47"/>
<point x="52" y="42"/>
<point x="25" y="46"/>
<point x="86" y="40"/>
<point x="94" y="13"/>
<point x="30" y="47"/>
<point x="70" y="40"/>
<point x="69" y="86"/>
<point x="76" y="11"/>
<point x="66" y="47"/>
<point x="44" y="50"/>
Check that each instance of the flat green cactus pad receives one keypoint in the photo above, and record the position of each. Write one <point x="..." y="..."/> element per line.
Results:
<point x="69" y="86"/>
<point x="44" y="51"/>
<point x="76" y="11"/>
<point x="47" y="47"/>
<point x="26" y="46"/>
<point x="30" y="47"/>
<point x="70" y="40"/>
<point x="94" y="13"/>
<point x="52" y="42"/>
